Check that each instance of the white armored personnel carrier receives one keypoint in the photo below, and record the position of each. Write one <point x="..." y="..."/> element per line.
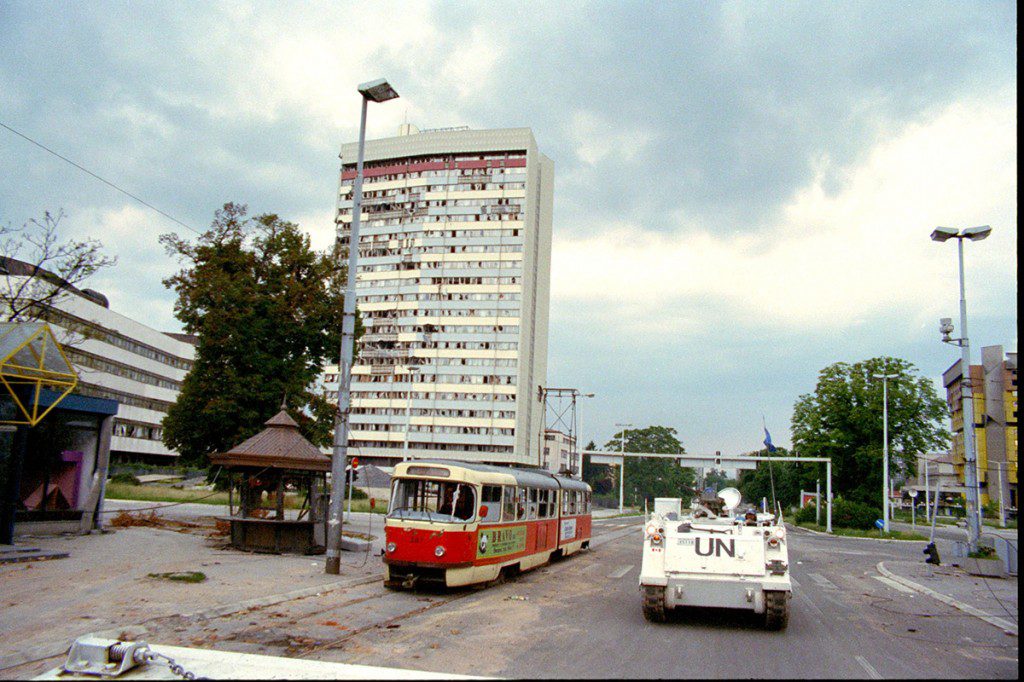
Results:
<point x="709" y="556"/>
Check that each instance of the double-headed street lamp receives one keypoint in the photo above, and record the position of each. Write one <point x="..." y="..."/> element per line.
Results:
<point x="374" y="91"/>
<point x="885" y="447"/>
<point x="971" y="478"/>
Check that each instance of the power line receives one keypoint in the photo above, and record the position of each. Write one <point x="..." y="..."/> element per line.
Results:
<point x="103" y="180"/>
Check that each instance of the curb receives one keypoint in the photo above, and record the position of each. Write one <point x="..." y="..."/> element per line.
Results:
<point x="1006" y="626"/>
<point x="850" y="537"/>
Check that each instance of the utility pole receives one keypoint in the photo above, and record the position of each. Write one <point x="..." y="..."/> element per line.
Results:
<point x="927" y="511"/>
<point x="408" y="412"/>
<point x="622" y="464"/>
<point x="885" y="447"/>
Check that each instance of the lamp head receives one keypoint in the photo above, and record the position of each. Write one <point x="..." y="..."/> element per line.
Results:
<point x="941" y="234"/>
<point x="946" y="327"/>
<point x="378" y="91"/>
<point x="976" y="234"/>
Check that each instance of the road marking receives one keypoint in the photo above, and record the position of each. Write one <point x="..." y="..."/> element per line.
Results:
<point x="794" y="583"/>
<point x="893" y="584"/>
<point x="621" y="572"/>
<point x="872" y="673"/>
<point x="823" y="581"/>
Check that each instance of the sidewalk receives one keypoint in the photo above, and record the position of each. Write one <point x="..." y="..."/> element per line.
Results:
<point x="991" y="599"/>
<point x="104" y="584"/>
<point x="953" y="532"/>
<point x="601" y="513"/>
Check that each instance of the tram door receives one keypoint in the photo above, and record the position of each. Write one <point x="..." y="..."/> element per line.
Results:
<point x="543" y="513"/>
<point x="542" y="529"/>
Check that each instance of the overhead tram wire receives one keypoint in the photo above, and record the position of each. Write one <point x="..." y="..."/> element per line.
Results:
<point x="103" y="180"/>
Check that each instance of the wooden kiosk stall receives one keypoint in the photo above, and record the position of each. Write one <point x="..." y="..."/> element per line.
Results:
<point x="277" y="461"/>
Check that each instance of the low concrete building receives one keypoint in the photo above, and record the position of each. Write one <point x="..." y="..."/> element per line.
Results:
<point x="117" y="358"/>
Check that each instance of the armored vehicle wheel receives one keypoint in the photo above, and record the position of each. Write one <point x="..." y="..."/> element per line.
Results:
<point x="654" y="603"/>
<point x="776" y="610"/>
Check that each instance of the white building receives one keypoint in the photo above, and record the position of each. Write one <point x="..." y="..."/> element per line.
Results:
<point x="452" y="287"/>
<point x="120" y="359"/>
<point x="557" y="455"/>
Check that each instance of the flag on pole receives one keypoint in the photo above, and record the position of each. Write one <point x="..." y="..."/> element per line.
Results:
<point x="768" y="441"/>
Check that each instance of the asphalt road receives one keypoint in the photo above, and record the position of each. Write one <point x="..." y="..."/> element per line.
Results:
<point x="581" y="617"/>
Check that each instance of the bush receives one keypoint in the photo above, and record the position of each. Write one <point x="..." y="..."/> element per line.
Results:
<point x="125" y="478"/>
<point x="807" y="514"/>
<point x="850" y="514"/>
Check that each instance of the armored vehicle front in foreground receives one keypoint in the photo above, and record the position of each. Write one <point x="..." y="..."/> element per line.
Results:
<point x="708" y="557"/>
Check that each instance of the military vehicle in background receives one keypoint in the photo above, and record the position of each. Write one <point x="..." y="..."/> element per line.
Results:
<point x="710" y="557"/>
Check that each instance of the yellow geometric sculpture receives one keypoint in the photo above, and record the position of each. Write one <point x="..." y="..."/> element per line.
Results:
<point x="30" y="356"/>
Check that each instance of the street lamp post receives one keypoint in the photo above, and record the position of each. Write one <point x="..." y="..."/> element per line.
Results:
<point x="885" y="447"/>
<point x="376" y="91"/>
<point x="622" y="464"/>
<point x="408" y="413"/>
<point x="579" y="435"/>
<point x="971" y="478"/>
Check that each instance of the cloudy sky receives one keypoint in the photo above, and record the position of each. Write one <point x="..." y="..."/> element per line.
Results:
<point x="744" y="190"/>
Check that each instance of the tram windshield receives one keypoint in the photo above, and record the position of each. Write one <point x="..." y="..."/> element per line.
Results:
<point x="422" y="500"/>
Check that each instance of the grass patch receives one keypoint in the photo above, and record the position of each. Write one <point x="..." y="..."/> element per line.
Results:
<point x="150" y="493"/>
<point x="873" y="533"/>
<point x="181" y="576"/>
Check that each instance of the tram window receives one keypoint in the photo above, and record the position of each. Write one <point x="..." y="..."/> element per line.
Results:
<point x="423" y="500"/>
<point x="586" y="497"/>
<point x="509" y="513"/>
<point x="490" y="497"/>
<point x="520" y="504"/>
<point x="532" y="509"/>
<point x="565" y="502"/>
<point x="542" y="505"/>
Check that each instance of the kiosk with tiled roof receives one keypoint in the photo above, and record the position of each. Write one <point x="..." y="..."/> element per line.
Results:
<point x="279" y="479"/>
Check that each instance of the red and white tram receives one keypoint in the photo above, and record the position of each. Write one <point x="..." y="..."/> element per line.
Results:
<point x="460" y="523"/>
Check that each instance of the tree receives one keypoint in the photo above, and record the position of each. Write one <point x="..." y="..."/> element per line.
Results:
<point x="776" y="481"/>
<point x="842" y="419"/>
<point x="717" y="480"/>
<point x="647" y="478"/>
<point x="49" y="269"/>
<point x="599" y="477"/>
<point x="266" y="309"/>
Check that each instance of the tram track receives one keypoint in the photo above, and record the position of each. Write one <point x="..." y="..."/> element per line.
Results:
<point x="556" y="566"/>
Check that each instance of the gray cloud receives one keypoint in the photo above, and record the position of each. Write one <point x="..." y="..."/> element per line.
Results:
<point x="733" y="106"/>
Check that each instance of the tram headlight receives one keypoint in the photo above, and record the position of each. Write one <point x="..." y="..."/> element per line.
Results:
<point x="390" y="547"/>
<point x="439" y="551"/>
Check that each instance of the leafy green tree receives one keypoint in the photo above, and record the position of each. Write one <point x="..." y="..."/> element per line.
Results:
<point x="267" y="310"/>
<point x="600" y="477"/>
<point x="842" y="419"/>
<point x="780" y="481"/>
<point x="647" y="478"/>
<point x="717" y="480"/>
